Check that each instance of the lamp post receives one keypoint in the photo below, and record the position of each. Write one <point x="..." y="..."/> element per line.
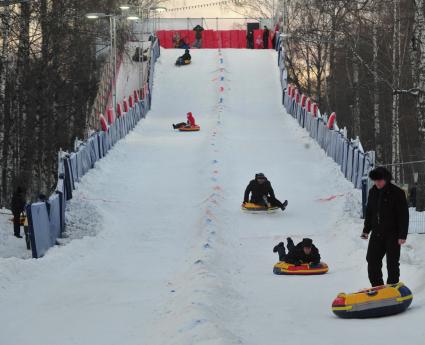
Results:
<point x="113" y="55"/>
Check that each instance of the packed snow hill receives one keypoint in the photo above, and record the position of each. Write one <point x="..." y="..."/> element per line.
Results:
<point x="162" y="252"/>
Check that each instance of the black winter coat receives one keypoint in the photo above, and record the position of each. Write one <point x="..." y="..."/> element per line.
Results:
<point x="18" y="203"/>
<point x="297" y="255"/>
<point x="387" y="212"/>
<point x="266" y="36"/>
<point x="186" y="56"/>
<point x="258" y="191"/>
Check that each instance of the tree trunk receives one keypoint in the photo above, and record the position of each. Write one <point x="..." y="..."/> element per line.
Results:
<point x="376" y="122"/>
<point x="395" y="118"/>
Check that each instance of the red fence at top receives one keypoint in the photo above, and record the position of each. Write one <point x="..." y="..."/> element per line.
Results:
<point x="211" y="38"/>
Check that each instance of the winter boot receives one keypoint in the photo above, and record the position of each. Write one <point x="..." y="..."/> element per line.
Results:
<point x="174" y="126"/>
<point x="283" y="207"/>
<point x="291" y="244"/>
<point x="280" y="249"/>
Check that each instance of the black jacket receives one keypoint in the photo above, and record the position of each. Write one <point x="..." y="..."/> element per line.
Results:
<point x="387" y="213"/>
<point x="266" y="35"/>
<point x="18" y="203"/>
<point x="198" y="31"/>
<point x="186" y="56"/>
<point x="297" y="255"/>
<point x="258" y="191"/>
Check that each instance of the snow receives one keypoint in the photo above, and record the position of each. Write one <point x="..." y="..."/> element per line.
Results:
<point x="159" y="252"/>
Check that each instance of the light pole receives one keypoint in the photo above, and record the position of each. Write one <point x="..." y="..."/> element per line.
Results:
<point x="113" y="55"/>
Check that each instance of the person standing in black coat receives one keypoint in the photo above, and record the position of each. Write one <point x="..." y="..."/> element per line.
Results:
<point x="250" y="40"/>
<point x="387" y="219"/>
<point x="262" y="193"/>
<point x="266" y="34"/>
<point x="304" y="252"/>
<point x="18" y="206"/>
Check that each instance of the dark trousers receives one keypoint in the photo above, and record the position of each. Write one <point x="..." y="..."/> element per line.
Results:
<point x="271" y="200"/>
<point x="180" y="125"/>
<point x="266" y="43"/>
<point x="380" y="246"/>
<point x="280" y="249"/>
<point x="17" y="223"/>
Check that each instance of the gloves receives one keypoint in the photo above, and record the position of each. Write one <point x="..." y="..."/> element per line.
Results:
<point x="277" y="247"/>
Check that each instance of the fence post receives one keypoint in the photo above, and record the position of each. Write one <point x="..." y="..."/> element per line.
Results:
<point x="365" y="184"/>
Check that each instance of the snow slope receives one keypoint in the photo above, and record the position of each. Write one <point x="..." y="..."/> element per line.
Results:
<point x="171" y="258"/>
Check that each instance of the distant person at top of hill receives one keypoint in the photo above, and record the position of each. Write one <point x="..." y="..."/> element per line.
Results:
<point x="250" y="39"/>
<point x="262" y="193"/>
<point x="185" y="59"/>
<point x="266" y="34"/>
<point x="198" y="36"/>
<point x="18" y="206"/>
<point x="190" y="122"/>
<point x="304" y="252"/>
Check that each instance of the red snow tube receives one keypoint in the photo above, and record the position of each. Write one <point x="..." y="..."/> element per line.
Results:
<point x="297" y="96"/>
<point x="119" y="110"/>
<point x="315" y="109"/>
<point x="136" y="96"/>
<point x="303" y="100"/>
<point x="289" y="91"/>
<point x="110" y="114"/>
<point x="331" y="121"/>
<point x="125" y="106"/>
<point x="130" y="101"/>
<point x="103" y="123"/>
<point x="309" y="104"/>
<point x="195" y="128"/>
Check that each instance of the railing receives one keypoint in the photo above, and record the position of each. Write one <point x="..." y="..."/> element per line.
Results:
<point x="347" y="153"/>
<point x="46" y="219"/>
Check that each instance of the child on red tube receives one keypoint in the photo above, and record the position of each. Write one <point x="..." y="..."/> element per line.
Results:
<point x="190" y="122"/>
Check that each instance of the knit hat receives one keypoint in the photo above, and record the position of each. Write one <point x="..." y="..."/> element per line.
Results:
<point x="380" y="173"/>
<point x="260" y="176"/>
<point x="307" y="242"/>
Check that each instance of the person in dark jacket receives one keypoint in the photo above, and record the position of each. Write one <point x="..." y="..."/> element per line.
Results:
<point x="186" y="55"/>
<point x="387" y="218"/>
<point x="198" y="36"/>
<point x="304" y="252"/>
<point x="184" y="59"/>
<point x="18" y="206"/>
<point x="266" y="34"/>
<point x="250" y="40"/>
<point x="262" y="193"/>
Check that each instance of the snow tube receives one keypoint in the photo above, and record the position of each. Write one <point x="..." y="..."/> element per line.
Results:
<point x="331" y="121"/>
<point x="182" y="63"/>
<point x="251" y="207"/>
<point x="195" y="128"/>
<point x="303" y="100"/>
<point x="22" y="220"/>
<point x="374" y="302"/>
<point x="284" y="268"/>
<point x="103" y="123"/>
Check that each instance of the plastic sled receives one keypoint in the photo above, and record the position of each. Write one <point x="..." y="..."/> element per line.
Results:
<point x="183" y="63"/>
<point x="22" y="220"/>
<point x="284" y="268"/>
<point x="195" y="128"/>
<point x="251" y="207"/>
<point x="374" y="302"/>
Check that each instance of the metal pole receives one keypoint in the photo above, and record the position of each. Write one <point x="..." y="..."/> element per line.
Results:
<point x="114" y="25"/>
<point x="112" y="62"/>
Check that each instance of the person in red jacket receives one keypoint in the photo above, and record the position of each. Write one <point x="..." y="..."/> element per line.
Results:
<point x="190" y="119"/>
<point x="190" y="122"/>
